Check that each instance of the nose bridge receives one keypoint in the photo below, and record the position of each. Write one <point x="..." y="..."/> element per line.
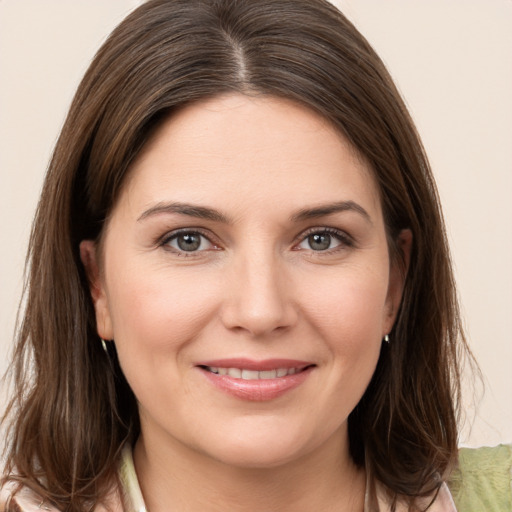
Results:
<point x="259" y="297"/>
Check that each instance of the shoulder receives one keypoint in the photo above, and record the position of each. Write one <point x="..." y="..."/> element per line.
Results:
<point x="483" y="479"/>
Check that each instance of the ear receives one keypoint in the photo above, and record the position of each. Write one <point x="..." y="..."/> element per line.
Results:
<point x="399" y="266"/>
<point x="89" y="257"/>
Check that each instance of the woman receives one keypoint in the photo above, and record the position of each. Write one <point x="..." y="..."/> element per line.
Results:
<point x="240" y="293"/>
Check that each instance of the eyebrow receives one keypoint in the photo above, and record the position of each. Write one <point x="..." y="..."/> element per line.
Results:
<point x="203" y="212"/>
<point x="329" y="209"/>
<point x="199" y="212"/>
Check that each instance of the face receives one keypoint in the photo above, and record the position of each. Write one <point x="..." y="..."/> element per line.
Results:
<point x="246" y="282"/>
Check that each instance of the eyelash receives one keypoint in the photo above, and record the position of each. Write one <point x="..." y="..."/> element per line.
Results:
<point x="346" y="241"/>
<point x="168" y="237"/>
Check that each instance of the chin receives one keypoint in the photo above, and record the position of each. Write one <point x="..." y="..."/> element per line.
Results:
<point x="256" y="456"/>
<point x="264" y="446"/>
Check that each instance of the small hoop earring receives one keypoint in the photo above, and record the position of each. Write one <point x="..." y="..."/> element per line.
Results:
<point x="386" y="338"/>
<point x="104" y="345"/>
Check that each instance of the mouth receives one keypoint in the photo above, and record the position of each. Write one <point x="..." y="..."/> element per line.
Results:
<point x="256" y="381"/>
<point x="247" y="374"/>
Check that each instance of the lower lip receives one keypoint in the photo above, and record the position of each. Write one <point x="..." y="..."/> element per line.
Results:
<point x="257" y="390"/>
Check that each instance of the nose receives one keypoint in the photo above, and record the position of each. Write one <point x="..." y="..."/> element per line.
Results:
<point x="258" y="298"/>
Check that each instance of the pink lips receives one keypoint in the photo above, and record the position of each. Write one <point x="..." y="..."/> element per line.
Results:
<point x="256" y="389"/>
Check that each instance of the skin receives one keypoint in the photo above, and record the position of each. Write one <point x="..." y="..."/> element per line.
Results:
<point x="255" y="288"/>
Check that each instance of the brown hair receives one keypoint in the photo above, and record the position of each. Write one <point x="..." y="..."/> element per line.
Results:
<point x="72" y="409"/>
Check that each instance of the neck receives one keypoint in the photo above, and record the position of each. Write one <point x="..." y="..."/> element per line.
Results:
<point x="173" y="475"/>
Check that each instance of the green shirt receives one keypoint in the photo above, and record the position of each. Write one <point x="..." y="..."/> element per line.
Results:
<point x="483" y="480"/>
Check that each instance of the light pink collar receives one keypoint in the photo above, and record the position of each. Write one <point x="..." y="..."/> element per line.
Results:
<point x="443" y="502"/>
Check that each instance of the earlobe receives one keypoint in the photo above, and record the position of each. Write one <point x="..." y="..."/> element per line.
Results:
<point x="398" y="272"/>
<point x="89" y="258"/>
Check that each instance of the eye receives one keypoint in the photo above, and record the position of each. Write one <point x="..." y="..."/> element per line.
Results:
<point x="324" y="240"/>
<point x="188" y="241"/>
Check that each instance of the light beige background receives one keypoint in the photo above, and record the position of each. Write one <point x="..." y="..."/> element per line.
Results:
<point x="452" y="60"/>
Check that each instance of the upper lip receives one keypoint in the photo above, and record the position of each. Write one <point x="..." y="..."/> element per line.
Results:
<point x="252" y="364"/>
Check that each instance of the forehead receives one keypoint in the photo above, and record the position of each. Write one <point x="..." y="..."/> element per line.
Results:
<point x="236" y="147"/>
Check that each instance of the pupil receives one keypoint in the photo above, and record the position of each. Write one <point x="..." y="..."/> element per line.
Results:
<point x="189" y="242"/>
<point x="320" y="242"/>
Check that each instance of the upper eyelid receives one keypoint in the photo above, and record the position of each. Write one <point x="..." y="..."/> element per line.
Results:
<point x="346" y="241"/>
<point x="175" y="232"/>
<point x="323" y="229"/>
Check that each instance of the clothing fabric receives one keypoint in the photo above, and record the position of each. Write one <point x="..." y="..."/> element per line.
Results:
<point x="134" y="500"/>
<point x="482" y="482"/>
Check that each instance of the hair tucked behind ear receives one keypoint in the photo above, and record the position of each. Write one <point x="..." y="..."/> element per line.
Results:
<point x="72" y="409"/>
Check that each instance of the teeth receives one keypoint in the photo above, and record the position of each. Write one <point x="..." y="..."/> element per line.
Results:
<point x="250" y="375"/>
<point x="235" y="372"/>
<point x="240" y="373"/>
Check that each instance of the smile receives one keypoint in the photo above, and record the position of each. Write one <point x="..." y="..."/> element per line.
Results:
<point x="245" y="374"/>
<point x="249" y="380"/>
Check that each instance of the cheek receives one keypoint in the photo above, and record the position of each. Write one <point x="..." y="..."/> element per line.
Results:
<point x="349" y="306"/>
<point x="156" y="316"/>
<point x="347" y="312"/>
<point x="344" y="314"/>
<point x="158" y="310"/>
